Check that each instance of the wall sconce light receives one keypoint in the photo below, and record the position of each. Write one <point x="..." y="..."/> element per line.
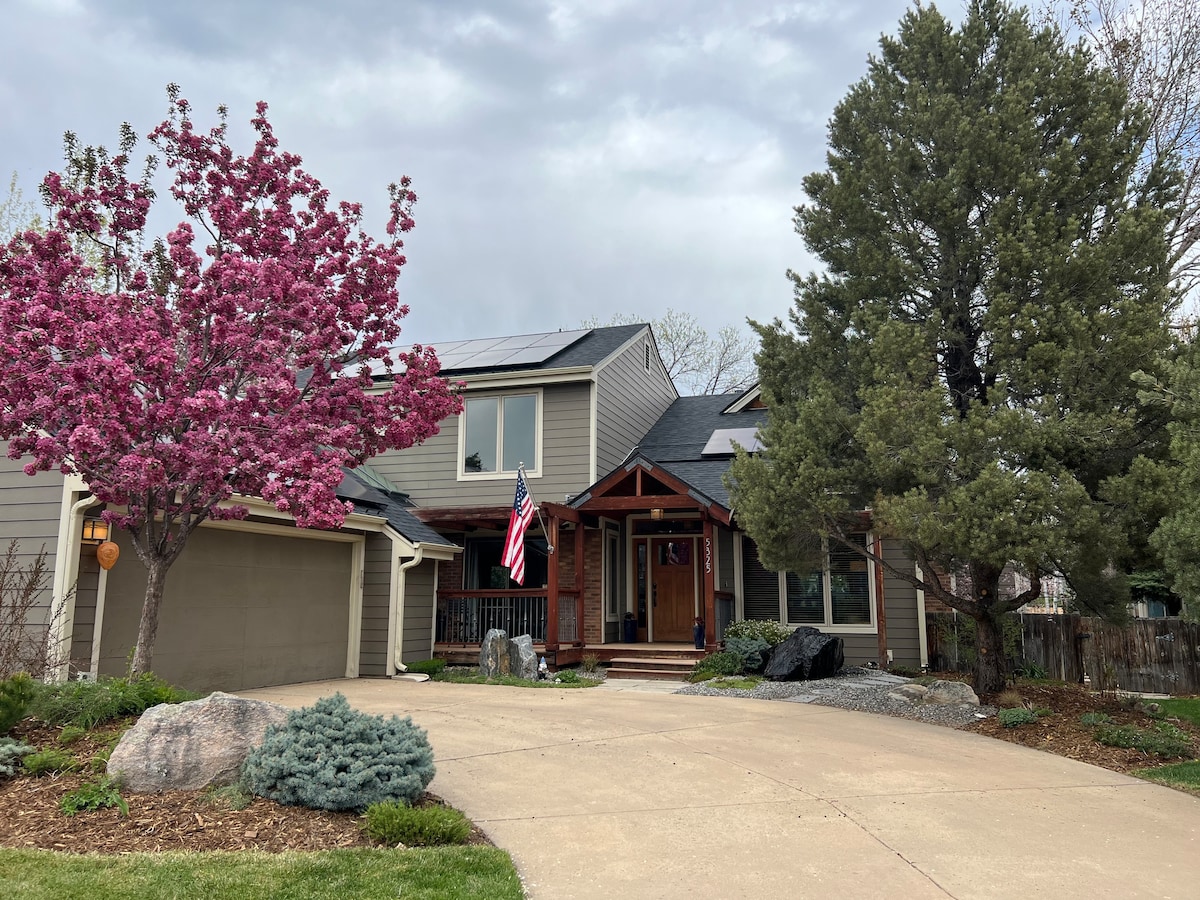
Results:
<point x="656" y="515"/>
<point x="95" y="531"/>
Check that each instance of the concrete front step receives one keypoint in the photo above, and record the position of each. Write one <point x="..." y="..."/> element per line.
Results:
<point x="646" y="674"/>
<point x="657" y="668"/>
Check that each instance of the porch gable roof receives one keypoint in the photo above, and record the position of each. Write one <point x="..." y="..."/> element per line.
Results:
<point x="640" y="484"/>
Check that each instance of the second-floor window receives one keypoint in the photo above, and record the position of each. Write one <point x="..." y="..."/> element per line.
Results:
<point x="499" y="433"/>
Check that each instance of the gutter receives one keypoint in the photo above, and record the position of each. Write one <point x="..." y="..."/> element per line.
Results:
<point x="396" y="665"/>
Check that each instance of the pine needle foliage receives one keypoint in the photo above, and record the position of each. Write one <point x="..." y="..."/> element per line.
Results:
<point x="330" y="756"/>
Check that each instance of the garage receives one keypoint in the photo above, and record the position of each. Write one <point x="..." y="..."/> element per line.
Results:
<point x="244" y="607"/>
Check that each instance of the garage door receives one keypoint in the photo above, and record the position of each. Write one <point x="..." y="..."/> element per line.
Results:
<point x="240" y="610"/>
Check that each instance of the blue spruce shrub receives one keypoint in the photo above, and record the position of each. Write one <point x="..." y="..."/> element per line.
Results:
<point x="752" y="650"/>
<point x="329" y="756"/>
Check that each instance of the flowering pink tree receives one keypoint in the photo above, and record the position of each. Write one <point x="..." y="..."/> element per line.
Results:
<point x="250" y="353"/>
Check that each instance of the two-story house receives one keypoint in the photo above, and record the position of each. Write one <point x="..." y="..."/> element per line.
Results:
<point x="635" y="542"/>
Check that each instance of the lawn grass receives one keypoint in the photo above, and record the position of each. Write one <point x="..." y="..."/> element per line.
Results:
<point x="420" y="874"/>
<point x="1186" y="708"/>
<point x="1184" y="776"/>
<point x="459" y="677"/>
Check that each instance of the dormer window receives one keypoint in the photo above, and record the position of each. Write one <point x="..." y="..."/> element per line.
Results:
<point x="498" y="433"/>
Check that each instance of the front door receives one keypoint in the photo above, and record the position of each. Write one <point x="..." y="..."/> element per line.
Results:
<point x="673" y="588"/>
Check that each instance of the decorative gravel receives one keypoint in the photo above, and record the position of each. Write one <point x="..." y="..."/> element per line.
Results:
<point x="865" y="690"/>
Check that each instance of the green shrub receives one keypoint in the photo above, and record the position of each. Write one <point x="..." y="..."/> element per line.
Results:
<point x="428" y="667"/>
<point x="16" y="698"/>
<point x="751" y="650"/>
<point x="99" y="794"/>
<point x="567" y="676"/>
<point x="70" y="734"/>
<point x="720" y="663"/>
<point x="329" y="756"/>
<point x="1011" y="718"/>
<point x="771" y="632"/>
<point x="51" y="761"/>
<point x="393" y="823"/>
<point x="89" y="703"/>
<point x="1164" y="740"/>
<point x="1095" y="718"/>
<point x="1030" y="670"/>
<point x="11" y="752"/>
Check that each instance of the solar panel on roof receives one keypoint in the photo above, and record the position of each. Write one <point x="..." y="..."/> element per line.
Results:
<point x="721" y="441"/>
<point x="524" y="349"/>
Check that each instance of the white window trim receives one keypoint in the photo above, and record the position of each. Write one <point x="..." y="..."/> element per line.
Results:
<point x="504" y="475"/>
<point x="827" y="590"/>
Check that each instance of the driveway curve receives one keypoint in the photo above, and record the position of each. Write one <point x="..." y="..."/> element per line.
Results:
<point x="603" y="793"/>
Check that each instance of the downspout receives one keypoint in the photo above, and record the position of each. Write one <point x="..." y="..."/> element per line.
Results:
<point x="66" y="575"/>
<point x="418" y="557"/>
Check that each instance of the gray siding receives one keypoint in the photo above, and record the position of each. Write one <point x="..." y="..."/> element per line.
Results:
<point x="377" y="576"/>
<point x="629" y="400"/>
<point x="84" y="621"/>
<point x="429" y="473"/>
<point x="726" y="577"/>
<point x="900" y="603"/>
<point x="29" y="512"/>
<point x="419" y="584"/>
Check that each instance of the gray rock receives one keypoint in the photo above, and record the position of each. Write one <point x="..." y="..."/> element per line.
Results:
<point x="189" y="746"/>
<point x="493" y="654"/>
<point x="522" y="661"/>
<point x="951" y="692"/>
<point x="913" y="693"/>
<point x="806" y="654"/>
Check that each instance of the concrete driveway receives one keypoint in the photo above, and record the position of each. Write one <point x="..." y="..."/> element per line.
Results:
<point x="623" y="794"/>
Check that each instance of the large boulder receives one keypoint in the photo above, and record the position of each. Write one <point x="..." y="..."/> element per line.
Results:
<point x="807" y="654"/>
<point x="951" y="693"/>
<point x="494" y="658"/>
<point x="189" y="746"/>
<point x="522" y="661"/>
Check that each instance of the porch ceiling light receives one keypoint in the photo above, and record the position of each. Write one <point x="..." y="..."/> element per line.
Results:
<point x="656" y="514"/>
<point x="95" y="531"/>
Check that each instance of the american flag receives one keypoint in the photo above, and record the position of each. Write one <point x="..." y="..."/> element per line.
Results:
<point x="518" y="521"/>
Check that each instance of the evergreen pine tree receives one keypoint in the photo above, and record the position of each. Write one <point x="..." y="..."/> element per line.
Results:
<point x="995" y="271"/>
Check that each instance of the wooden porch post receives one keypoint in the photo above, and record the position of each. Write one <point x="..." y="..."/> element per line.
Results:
<point x="552" y="590"/>
<point x="710" y="588"/>
<point x="580" y="606"/>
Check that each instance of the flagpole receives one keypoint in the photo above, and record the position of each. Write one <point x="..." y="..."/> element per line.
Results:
<point x="538" y="509"/>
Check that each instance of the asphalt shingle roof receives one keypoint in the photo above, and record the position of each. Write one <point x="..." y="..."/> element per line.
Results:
<point x="676" y="440"/>
<point x="371" y="500"/>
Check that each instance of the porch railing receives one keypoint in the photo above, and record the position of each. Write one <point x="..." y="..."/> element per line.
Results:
<point x="464" y="617"/>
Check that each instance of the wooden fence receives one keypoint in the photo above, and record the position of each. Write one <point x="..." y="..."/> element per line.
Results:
<point x="1152" y="655"/>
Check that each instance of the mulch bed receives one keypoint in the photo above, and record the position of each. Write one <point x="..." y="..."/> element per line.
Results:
<point x="1063" y="734"/>
<point x="173" y="820"/>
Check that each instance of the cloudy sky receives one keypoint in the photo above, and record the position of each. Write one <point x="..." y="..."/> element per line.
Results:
<point x="573" y="158"/>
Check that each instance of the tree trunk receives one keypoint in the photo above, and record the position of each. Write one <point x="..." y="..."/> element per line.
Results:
<point x="143" y="654"/>
<point x="989" y="655"/>
<point x="989" y="637"/>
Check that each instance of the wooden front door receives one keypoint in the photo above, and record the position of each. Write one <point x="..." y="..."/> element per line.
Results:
<point x="673" y="586"/>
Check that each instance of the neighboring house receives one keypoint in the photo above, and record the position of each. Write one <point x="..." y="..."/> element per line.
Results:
<point x="634" y="520"/>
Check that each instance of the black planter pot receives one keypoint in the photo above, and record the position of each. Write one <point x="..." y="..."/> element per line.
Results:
<point x="698" y="636"/>
<point x="630" y="631"/>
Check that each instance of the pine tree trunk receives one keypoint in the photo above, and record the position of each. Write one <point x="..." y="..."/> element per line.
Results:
<point x="143" y="654"/>
<point x="989" y="656"/>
